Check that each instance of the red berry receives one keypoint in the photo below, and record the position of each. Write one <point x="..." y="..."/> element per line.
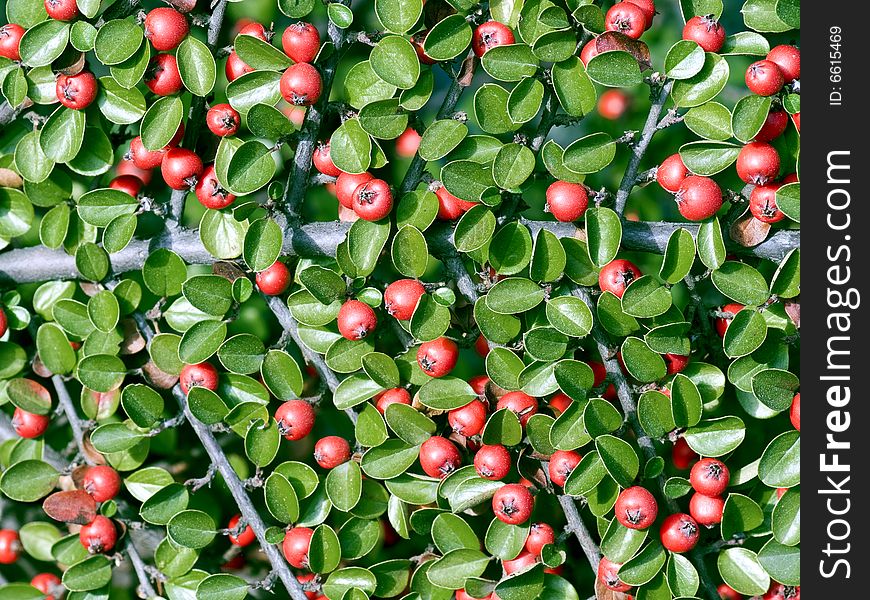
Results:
<point x="616" y="275"/>
<point x="762" y="203"/>
<point x="301" y="84"/>
<point x="295" y="419"/>
<point x="636" y="508"/>
<point x="795" y="411"/>
<point x="373" y="200"/>
<point x="519" y="403"/>
<point x="29" y="425"/>
<point x="274" y="280"/>
<point x="142" y="157"/>
<point x="478" y="383"/>
<point x="408" y="143"/>
<point x="560" y="403"/>
<point x="562" y="463"/>
<point x="613" y="103"/>
<point x="295" y="546"/>
<point x="4" y="323"/>
<point x="649" y="10"/>
<point x="513" y="504"/>
<point x="301" y="42"/>
<point x="567" y="202"/>
<point x="49" y="584"/>
<point x="788" y="59"/>
<point x="165" y="28"/>
<point x="202" y="374"/>
<point x="10" y="546"/>
<point x="254" y="29"/>
<point x="796" y="119"/>
<point x="331" y="451"/>
<point x="721" y="323"/>
<point x="525" y="560"/>
<point x="468" y="420"/>
<point x="322" y="160"/>
<point x="599" y="372"/>
<point x="774" y="126"/>
<point x="438" y="357"/>
<point x="76" y="91"/>
<point x="706" y="510"/>
<point x="347" y="184"/>
<point x="698" y="198"/>
<point x="245" y="538"/>
<point x="540" y="534"/>
<point x="439" y="457"/>
<point x="492" y="462"/>
<point x="590" y="51"/>
<point x="209" y="191"/>
<point x="778" y="591"/>
<point x="682" y="455"/>
<point x="675" y="362"/>
<point x="356" y="320"/>
<point x="236" y="67"/>
<point x="608" y="574"/>
<point x="162" y="76"/>
<point x="706" y="31"/>
<point x="309" y="585"/>
<point x="679" y="533"/>
<point x="10" y="40"/>
<point x="764" y="78"/>
<point x="129" y="184"/>
<point x="671" y="173"/>
<point x="128" y="167"/>
<point x="463" y="595"/>
<point x="481" y="346"/>
<point x="626" y="18"/>
<point x="392" y="396"/>
<point x="758" y="163"/>
<point x="99" y="535"/>
<point x="181" y="168"/>
<point x="223" y="120"/>
<point x="727" y="593"/>
<point x="61" y="10"/>
<point x="401" y="298"/>
<point x="710" y="477"/>
<point x="450" y="207"/>
<point x="102" y="482"/>
<point x="489" y="35"/>
<point x="417" y="40"/>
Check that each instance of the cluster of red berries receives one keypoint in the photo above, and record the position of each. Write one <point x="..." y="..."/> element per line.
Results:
<point x="368" y="197"/>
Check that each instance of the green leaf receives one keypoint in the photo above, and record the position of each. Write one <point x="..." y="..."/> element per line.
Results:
<point x="196" y="65"/>
<point x="161" y="122"/>
<point x="344" y="485"/>
<point x="604" y="234"/>
<point x="118" y="40"/>
<point x="398" y="16"/>
<point x="448" y="38"/>
<point x="614" y="69"/>
<point x="510" y="62"/>
<point x="590" y="154"/>
<point x="708" y="158"/>
<point x="191" y="529"/>
<point x="62" y="135"/>
<point x="645" y="298"/>
<point x="780" y="461"/>
<point x="716" y="437"/>
<point x="54" y="350"/>
<point x="711" y="121"/>
<point x="679" y="256"/>
<point x="740" y="569"/>
<point x="263" y="242"/>
<point x="514" y="295"/>
<point x="395" y="61"/>
<point x="43" y="42"/>
<point x="619" y="458"/>
<point x="704" y="86"/>
<point x="684" y="60"/>
<point x="750" y="113"/>
<point x="741" y="283"/>
<point x="28" y="480"/>
<point x="410" y="252"/>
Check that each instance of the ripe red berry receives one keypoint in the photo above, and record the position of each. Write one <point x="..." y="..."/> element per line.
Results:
<point x="165" y="28"/>
<point x="245" y="538"/>
<point x="223" y="120"/>
<point x="698" y="198"/>
<point x="796" y="119"/>
<point x="774" y="126"/>
<point x="613" y="103"/>
<point x="10" y="546"/>
<point x="513" y="504"/>
<point x="525" y="560"/>
<point x="202" y="374"/>
<point x="795" y="411"/>
<point x="489" y="35"/>
<point x="788" y="59"/>
<point x="322" y="160"/>
<point x="608" y="574"/>
<point x="450" y="207"/>
<point x="519" y="403"/>
<point x="706" y="510"/>
<point x="463" y="595"/>
<point x="762" y="203"/>
<point x="408" y="143"/>
<point x="347" y="184"/>
<point x="356" y="320"/>
<point x="726" y="592"/>
<point x="162" y="76"/>
<point x="468" y="420"/>
<point x="274" y="280"/>
<point x="481" y="346"/>
<point x="61" y="10"/>
<point x="4" y="323"/>
<point x="401" y="298"/>
<point x="778" y="591"/>
<point x="236" y="67"/>
<point x="492" y="462"/>
<point x="128" y="167"/>
<point x="295" y="419"/>
<point x="758" y="163"/>
<point x="560" y="403"/>
<point x="562" y="463"/>
<point x="649" y="10"/>
<point x="437" y="357"/>
<point x="76" y="91"/>
<point x="675" y="362"/>
<point x="49" y="584"/>
<point x="301" y="42"/>
<point x="710" y="477"/>
<point x="439" y="457"/>
<point x="301" y="84"/>
<point x="682" y="455"/>
<point x="397" y="395"/>
<point x="29" y="425"/>
<point x="99" y="535"/>
<point x="417" y="40"/>
<point x="331" y="451"/>
<point x="373" y="200"/>
<point x="616" y="275"/>
<point x="309" y="584"/>
<point x="567" y="202"/>
<point x="721" y="323"/>
<point x="636" y="508"/>
<point x="129" y="184"/>
<point x="590" y="51"/>
<point x="540" y="534"/>
<point x="10" y="40"/>
<point x="102" y="482"/>
<point x="478" y="383"/>
<point x="181" y="168"/>
<point x="706" y="31"/>
<point x="626" y="18"/>
<point x="764" y="78"/>
<point x="295" y="546"/>
<point x="143" y="158"/>
<point x="679" y="533"/>
<point x="671" y="173"/>
<point x="209" y="191"/>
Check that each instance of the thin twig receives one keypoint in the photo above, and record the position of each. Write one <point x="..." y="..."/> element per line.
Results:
<point x="580" y="531"/>
<point x="140" y="568"/>
<point x="72" y="416"/>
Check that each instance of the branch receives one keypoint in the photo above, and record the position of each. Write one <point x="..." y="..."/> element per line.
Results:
<point x="580" y="531"/>
<point x="140" y="568"/>
<point x="72" y="416"/>
<point x="9" y="113"/>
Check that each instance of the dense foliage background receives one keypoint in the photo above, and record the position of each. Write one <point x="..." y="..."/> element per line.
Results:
<point x="107" y="296"/>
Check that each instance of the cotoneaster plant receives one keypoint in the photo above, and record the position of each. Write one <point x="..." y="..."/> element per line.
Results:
<point x="394" y="299"/>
